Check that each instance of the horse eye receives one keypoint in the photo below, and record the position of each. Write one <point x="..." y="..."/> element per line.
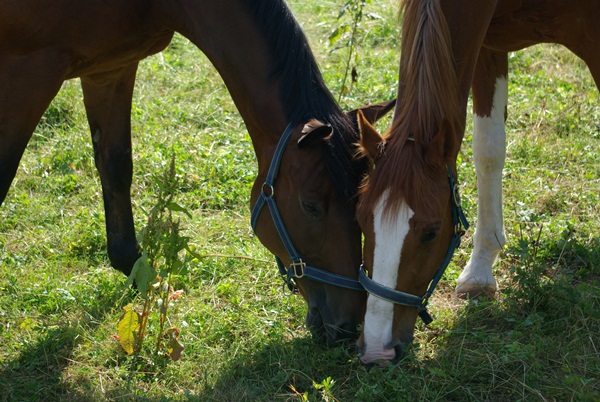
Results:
<point x="312" y="209"/>
<point x="430" y="235"/>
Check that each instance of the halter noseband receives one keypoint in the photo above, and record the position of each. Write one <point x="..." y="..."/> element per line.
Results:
<point x="298" y="268"/>
<point x="406" y="299"/>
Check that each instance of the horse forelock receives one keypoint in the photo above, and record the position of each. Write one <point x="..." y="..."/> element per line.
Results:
<point x="407" y="178"/>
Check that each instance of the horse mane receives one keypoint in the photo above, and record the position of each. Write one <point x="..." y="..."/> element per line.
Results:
<point x="303" y="92"/>
<point x="427" y="104"/>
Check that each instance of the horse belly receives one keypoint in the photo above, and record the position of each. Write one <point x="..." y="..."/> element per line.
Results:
<point x="517" y="25"/>
<point x="91" y="37"/>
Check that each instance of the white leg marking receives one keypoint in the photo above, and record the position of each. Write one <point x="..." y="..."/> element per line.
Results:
<point x="489" y="152"/>
<point x="390" y="233"/>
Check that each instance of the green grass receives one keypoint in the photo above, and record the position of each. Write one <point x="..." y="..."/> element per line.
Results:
<point x="245" y="339"/>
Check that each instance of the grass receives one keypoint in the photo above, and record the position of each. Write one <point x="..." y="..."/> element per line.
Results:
<point x="245" y="339"/>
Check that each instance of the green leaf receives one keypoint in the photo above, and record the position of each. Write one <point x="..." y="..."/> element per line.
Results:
<point x="143" y="274"/>
<point x="337" y="34"/>
<point x="179" y="268"/>
<point x="127" y="328"/>
<point x="173" y="206"/>
<point x="192" y="252"/>
<point x="344" y="8"/>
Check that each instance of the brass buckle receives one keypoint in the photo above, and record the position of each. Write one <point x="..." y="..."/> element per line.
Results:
<point x="297" y="268"/>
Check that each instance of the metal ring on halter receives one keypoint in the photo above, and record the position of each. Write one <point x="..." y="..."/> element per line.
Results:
<point x="268" y="190"/>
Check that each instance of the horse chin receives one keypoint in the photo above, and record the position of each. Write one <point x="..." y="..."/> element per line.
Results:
<point x="381" y="353"/>
<point x="330" y="334"/>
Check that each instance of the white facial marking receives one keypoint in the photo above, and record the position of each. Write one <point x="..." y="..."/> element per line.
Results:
<point x="390" y="232"/>
<point x="489" y="152"/>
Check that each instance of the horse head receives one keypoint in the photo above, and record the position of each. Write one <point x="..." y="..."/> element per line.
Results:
<point x="311" y="225"/>
<point x="410" y="215"/>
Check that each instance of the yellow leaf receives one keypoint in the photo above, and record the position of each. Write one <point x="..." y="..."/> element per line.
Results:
<point x="175" y="347"/>
<point x="127" y="329"/>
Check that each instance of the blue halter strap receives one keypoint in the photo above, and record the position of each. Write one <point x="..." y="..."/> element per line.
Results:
<point x="460" y="225"/>
<point x="298" y="268"/>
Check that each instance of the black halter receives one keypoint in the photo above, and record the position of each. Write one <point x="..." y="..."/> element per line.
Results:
<point x="298" y="268"/>
<point x="406" y="299"/>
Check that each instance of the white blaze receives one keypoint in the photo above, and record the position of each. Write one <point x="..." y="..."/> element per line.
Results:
<point x="390" y="232"/>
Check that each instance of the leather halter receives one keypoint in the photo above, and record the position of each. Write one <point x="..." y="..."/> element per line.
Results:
<point x="406" y="299"/>
<point x="298" y="268"/>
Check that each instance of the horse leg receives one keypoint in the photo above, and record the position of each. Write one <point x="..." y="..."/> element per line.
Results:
<point x="588" y="52"/>
<point x="27" y="86"/>
<point x="108" y="98"/>
<point x="490" y="93"/>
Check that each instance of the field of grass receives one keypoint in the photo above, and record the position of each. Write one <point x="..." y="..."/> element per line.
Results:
<point x="244" y="338"/>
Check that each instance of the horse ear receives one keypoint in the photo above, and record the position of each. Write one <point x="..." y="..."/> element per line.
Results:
<point x="314" y="131"/>
<point x="372" y="113"/>
<point x="370" y="140"/>
<point x="441" y="145"/>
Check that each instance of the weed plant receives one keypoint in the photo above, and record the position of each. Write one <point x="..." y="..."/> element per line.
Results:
<point x="160" y="263"/>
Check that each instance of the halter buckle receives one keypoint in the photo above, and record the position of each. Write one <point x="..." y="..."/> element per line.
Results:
<point x="296" y="269"/>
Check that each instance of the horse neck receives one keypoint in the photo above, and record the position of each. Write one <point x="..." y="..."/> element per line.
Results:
<point x="234" y="43"/>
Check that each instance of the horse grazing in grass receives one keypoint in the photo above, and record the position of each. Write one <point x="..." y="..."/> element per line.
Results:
<point x="409" y="208"/>
<point x="266" y="63"/>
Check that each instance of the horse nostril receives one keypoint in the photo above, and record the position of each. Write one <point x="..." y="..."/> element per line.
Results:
<point x="330" y="333"/>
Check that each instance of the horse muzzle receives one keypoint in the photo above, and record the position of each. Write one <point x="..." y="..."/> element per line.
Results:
<point x="333" y="332"/>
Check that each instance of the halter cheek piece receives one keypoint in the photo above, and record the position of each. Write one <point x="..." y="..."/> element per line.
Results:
<point x="298" y="268"/>
<point x="405" y="299"/>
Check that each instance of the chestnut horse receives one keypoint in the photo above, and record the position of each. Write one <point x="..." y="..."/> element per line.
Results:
<point x="266" y="63"/>
<point x="409" y="208"/>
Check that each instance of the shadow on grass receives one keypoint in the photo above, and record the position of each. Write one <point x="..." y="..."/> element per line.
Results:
<point x="277" y="370"/>
<point x="37" y="373"/>
<point x="281" y="371"/>
<point x="534" y="343"/>
<point x="537" y="341"/>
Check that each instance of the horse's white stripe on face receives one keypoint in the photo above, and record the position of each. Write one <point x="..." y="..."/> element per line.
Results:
<point x="390" y="232"/>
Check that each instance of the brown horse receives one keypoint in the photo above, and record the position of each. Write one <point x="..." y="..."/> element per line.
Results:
<point x="409" y="208"/>
<point x="265" y="61"/>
